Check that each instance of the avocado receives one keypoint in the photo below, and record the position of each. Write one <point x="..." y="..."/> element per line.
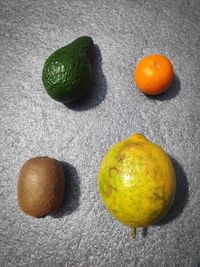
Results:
<point x="40" y="186"/>
<point x="67" y="73"/>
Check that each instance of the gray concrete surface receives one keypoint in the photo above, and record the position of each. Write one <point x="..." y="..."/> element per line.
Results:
<point x="83" y="233"/>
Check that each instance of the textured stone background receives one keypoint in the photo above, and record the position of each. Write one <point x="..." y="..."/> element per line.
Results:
<point x="83" y="233"/>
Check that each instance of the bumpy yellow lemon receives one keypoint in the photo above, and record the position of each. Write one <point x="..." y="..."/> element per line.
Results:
<point x="137" y="182"/>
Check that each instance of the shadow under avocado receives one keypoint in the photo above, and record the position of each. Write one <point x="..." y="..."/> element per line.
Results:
<point x="181" y="195"/>
<point x="98" y="90"/>
<point x="172" y="91"/>
<point x="71" y="193"/>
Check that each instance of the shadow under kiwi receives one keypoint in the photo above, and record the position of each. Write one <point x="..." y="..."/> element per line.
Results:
<point x="71" y="193"/>
<point x="172" y="91"/>
<point x="181" y="195"/>
<point x="97" y="93"/>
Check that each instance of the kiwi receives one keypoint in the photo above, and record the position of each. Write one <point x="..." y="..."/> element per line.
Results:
<point x="40" y="186"/>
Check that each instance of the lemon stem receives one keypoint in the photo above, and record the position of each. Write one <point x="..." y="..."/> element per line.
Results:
<point x="133" y="233"/>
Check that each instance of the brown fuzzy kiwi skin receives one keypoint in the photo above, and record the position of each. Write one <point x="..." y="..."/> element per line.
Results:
<point x="40" y="187"/>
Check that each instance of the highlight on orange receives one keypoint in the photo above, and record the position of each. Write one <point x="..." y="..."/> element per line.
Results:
<point x="154" y="74"/>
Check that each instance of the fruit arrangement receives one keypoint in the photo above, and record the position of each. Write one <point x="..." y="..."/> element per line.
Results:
<point x="136" y="178"/>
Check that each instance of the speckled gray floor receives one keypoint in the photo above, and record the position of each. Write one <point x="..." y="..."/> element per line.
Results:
<point x="83" y="233"/>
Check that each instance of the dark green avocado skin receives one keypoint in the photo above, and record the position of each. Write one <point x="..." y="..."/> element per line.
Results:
<point x="67" y="73"/>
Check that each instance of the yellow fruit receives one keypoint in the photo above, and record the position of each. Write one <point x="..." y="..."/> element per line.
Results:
<point x="137" y="182"/>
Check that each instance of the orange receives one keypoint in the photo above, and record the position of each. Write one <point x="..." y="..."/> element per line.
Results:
<point x="154" y="74"/>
